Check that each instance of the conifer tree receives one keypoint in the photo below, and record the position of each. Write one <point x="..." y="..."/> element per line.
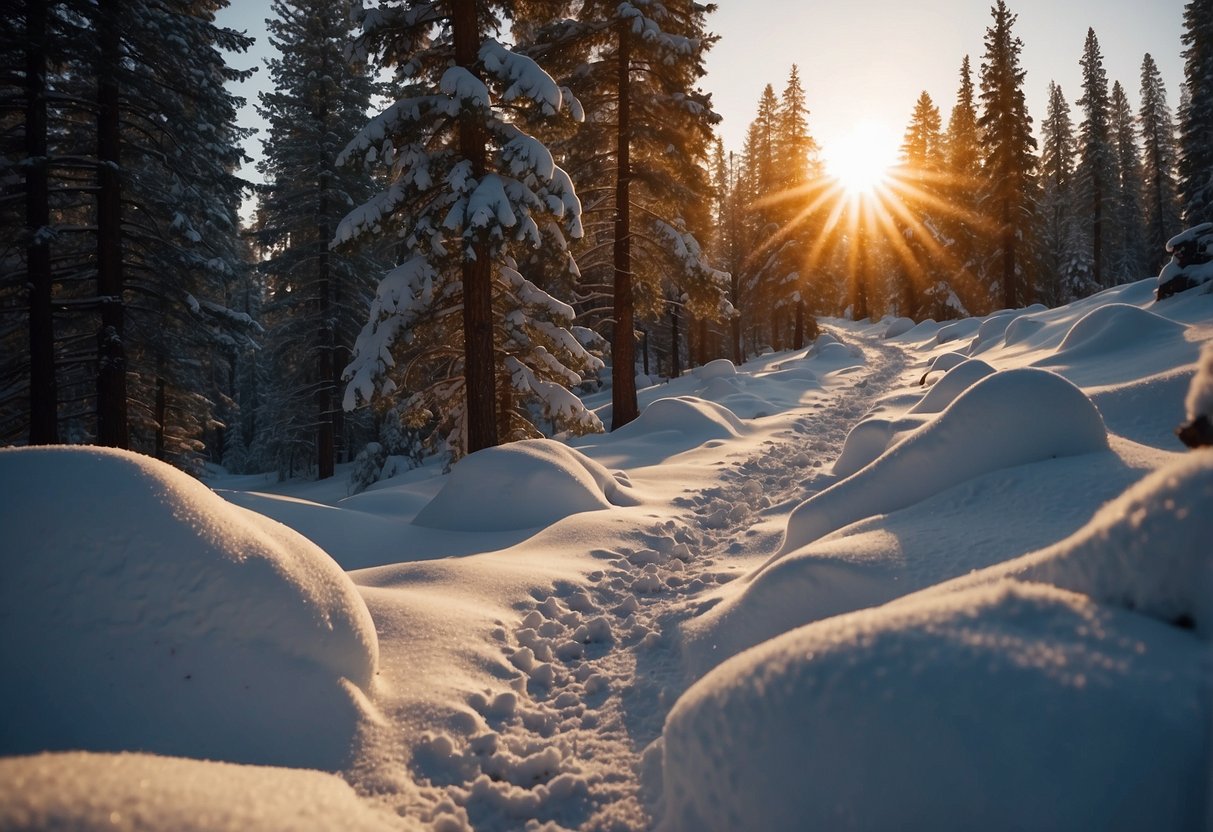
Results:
<point x="924" y="288"/>
<point x="1009" y="199"/>
<point x="1128" y="258"/>
<point x="481" y="345"/>
<point x="1065" y="271"/>
<point x="1159" y="197"/>
<point x="1196" y="115"/>
<point x="641" y="157"/>
<point x="962" y="184"/>
<point x="1097" y="159"/>
<point x="316" y="299"/>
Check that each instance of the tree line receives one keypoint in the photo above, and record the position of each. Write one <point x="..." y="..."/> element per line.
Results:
<point x="537" y="196"/>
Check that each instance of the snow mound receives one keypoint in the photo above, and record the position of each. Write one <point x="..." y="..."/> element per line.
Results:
<point x="957" y="380"/>
<point x="718" y="368"/>
<point x="693" y="417"/>
<point x="993" y="329"/>
<point x="898" y="326"/>
<point x="957" y="330"/>
<point x="1112" y="327"/>
<point x="140" y="611"/>
<point x="521" y="485"/>
<point x="943" y="362"/>
<point x="1147" y="551"/>
<point x="952" y="709"/>
<point x="869" y="439"/>
<point x="1009" y="418"/>
<point x="82" y="791"/>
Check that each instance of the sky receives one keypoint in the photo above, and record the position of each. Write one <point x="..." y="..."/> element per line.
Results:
<point x="867" y="61"/>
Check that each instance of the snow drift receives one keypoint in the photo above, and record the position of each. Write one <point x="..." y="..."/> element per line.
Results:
<point x="994" y="424"/>
<point x="520" y="486"/>
<point x="161" y="618"/>
<point x="1074" y="675"/>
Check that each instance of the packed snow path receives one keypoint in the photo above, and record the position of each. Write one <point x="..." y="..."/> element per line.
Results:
<point x="568" y="746"/>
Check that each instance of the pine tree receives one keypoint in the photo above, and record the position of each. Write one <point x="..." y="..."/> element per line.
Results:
<point x="480" y="344"/>
<point x="1128" y="258"/>
<point x="1159" y="197"/>
<point x="1008" y="165"/>
<point x="1196" y="116"/>
<point x="641" y="157"/>
<point x="1097" y="159"/>
<point x="923" y="279"/>
<point x="1065" y="272"/>
<point x="962" y="183"/>
<point x="316" y="298"/>
<point x="800" y="167"/>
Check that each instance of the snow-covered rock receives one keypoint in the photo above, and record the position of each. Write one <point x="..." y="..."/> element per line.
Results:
<point x="520" y="486"/>
<point x="696" y="419"/>
<point x="1113" y="327"/>
<point x="954" y="382"/>
<point x="139" y="611"/>
<point x="717" y="368"/>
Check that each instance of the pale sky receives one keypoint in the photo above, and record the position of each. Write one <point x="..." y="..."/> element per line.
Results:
<point x="868" y="60"/>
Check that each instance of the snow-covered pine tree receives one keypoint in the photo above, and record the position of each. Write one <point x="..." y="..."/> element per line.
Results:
<point x="139" y="153"/>
<point x="466" y="186"/>
<point x="1009" y="196"/>
<point x="1127" y="249"/>
<point x="1160" y="200"/>
<point x="1196" y="115"/>
<point x="962" y="186"/>
<point x="641" y="160"/>
<point x="316" y="299"/>
<point x="1096" y="159"/>
<point x="1065" y="271"/>
<point x="916" y="201"/>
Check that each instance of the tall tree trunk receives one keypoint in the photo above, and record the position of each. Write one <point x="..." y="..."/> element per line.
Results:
<point x="1097" y="232"/>
<point x="798" y="331"/>
<point x="735" y="321"/>
<point x="675" y="337"/>
<point x="1009" y="295"/>
<point x="478" y="373"/>
<point x="112" y="427"/>
<point x="624" y="407"/>
<point x="701" y="342"/>
<point x="43" y="390"/>
<point x="325" y="442"/>
<point x="645" y="337"/>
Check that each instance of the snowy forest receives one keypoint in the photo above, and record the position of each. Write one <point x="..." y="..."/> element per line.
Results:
<point x="449" y="245"/>
<point x="510" y="452"/>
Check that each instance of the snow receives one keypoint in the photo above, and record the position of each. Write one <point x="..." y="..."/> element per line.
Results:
<point x="956" y="577"/>
<point x="162" y="618"/>
<point x="522" y="485"/>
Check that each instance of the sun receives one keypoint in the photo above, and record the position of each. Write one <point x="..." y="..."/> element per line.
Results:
<point x="861" y="159"/>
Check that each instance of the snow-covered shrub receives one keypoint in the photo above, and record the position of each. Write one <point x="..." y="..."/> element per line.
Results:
<point x="1197" y="431"/>
<point x="1191" y="261"/>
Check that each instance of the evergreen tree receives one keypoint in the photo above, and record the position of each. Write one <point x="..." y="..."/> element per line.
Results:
<point x="1128" y="257"/>
<point x="1009" y="199"/>
<point x="1065" y="271"/>
<point x="481" y="348"/>
<point x="1097" y="159"/>
<point x="800" y="167"/>
<point x="641" y="157"/>
<point x="962" y="185"/>
<point x="316" y="299"/>
<point x="1159" y="197"/>
<point x="1196" y="115"/>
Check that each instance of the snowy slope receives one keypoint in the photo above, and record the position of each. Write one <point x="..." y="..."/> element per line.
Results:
<point x="752" y="608"/>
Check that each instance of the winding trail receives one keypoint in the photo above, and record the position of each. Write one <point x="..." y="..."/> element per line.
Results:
<point x="600" y="662"/>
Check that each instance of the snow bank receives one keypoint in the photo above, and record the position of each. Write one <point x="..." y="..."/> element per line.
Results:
<point x="718" y="368"/>
<point x="869" y="439"/>
<point x="898" y="326"/>
<point x="140" y="611"/>
<point x="1112" y="327"/>
<point x="1016" y="706"/>
<point x="81" y="791"/>
<point x="1147" y="551"/>
<point x="1064" y="675"/>
<point x="1009" y="418"/>
<point x="957" y="380"/>
<point x="521" y="485"/>
<point x="696" y="419"/>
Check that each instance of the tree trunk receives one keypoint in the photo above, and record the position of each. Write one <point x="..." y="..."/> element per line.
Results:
<point x="478" y="376"/>
<point x="1097" y="232"/>
<point x="112" y="427"/>
<point x="798" y="331"/>
<point x="645" y="336"/>
<point x="624" y="407"/>
<point x="1008" y="258"/>
<point x="325" y="442"/>
<point x="675" y="337"/>
<point x="735" y="322"/>
<point x="43" y="390"/>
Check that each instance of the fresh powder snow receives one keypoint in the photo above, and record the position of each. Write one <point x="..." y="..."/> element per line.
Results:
<point x="914" y="576"/>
